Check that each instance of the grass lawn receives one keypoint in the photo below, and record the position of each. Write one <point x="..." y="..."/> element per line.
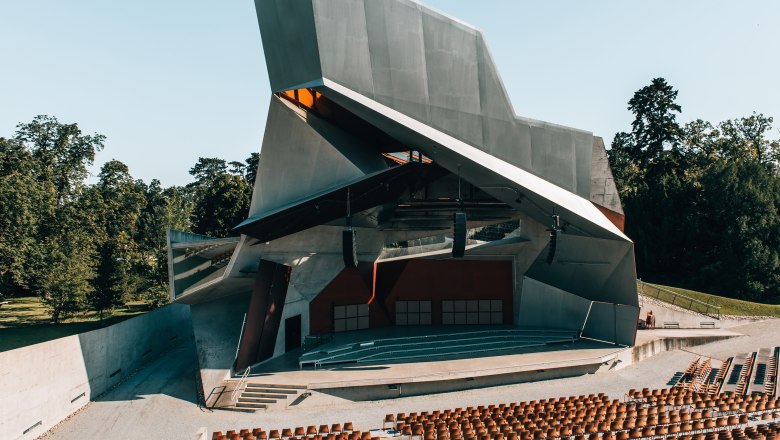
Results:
<point x="728" y="306"/>
<point x="24" y="322"/>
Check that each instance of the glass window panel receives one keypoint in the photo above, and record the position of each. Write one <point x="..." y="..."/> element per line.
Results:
<point x="339" y="326"/>
<point x="400" y="306"/>
<point x="496" y="305"/>
<point x="460" y="318"/>
<point x="472" y="318"/>
<point x="363" y="322"/>
<point x="446" y="306"/>
<point x="351" y="311"/>
<point x="460" y="306"/>
<point x="338" y="312"/>
<point x="484" y="305"/>
<point x="447" y="318"/>
<point x="413" y="307"/>
<point x="413" y="319"/>
<point x="425" y="319"/>
<point x="484" y="318"/>
<point x="425" y="306"/>
<point x="362" y="309"/>
<point x="472" y="306"/>
<point x="351" y="323"/>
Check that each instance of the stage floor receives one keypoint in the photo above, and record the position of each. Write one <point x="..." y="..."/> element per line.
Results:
<point x="284" y="370"/>
<point x="378" y="381"/>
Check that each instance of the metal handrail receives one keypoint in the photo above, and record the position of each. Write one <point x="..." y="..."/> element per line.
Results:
<point x="240" y="336"/>
<point x="709" y="309"/>
<point x="241" y="383"/>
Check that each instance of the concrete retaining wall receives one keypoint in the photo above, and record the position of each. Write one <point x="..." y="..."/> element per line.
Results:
<point x="42" y="384"/>
<point x="406" y="389"/>
<point x="685" y="319"/>
<point x="652" y="348"/>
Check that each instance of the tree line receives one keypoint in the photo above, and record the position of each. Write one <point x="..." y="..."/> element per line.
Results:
<point x="82" y="246"/>
<point x="702" y="200"/>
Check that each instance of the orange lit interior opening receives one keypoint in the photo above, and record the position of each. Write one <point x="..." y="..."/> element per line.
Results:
<point x="305" y="97"/>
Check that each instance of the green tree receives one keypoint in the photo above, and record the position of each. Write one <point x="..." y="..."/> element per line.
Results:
<point x="208" y="169"/>
<point x="118" y="200"/>
<point x="55" y="255"/>
<point x="169" y="208"/>
<point x="63" y="154"/>
<point x="110" y="283"/>
<point x="64" y="263"/>
<point x="655" y="126"/>
<point x="221" y="199"/>
<point x="252" y="164"/>
<point x="702" y="201"/>
<point x="743" y="213"/>
<point x="21" y="195"/>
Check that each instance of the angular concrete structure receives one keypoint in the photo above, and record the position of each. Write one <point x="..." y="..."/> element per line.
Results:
<point x="389" y="120"/>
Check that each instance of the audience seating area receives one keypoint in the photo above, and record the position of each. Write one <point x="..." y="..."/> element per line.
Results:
<point x="694" y="408"/>
<point x="742" y="374"/>
<point x="751" y="373"/>
<point x="643" y="414"/>
<point x="416" y="348"/>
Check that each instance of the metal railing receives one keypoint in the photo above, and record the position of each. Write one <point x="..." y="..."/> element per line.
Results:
<point x="240" y="336"/>
<point x="241" y="384"/>
<point x="678" y="299"/>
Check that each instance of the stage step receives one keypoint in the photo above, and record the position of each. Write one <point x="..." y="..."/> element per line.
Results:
<point x="256" y="396"/>
<point x="437" y="345"/>
<point x="252" y="406"/>
<point x="264" y="394"/>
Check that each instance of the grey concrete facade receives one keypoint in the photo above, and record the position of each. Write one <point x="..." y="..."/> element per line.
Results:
<point x="385" y="77"/>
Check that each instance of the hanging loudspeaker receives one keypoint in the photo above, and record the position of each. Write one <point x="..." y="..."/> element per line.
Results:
<point x="459" y="235"/>
<point x="553" y="246"/>
<point x="349" y="248"/>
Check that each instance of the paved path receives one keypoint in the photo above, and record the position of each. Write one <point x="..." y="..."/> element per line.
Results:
<point x="157" y="403"/>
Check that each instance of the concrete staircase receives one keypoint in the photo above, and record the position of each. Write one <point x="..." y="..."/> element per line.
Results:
<point x="264" y="396"/>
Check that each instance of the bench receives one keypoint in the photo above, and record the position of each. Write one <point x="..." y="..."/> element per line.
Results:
<point x="671" y="325"/>
<point x="707" y="324"/>
<point x="2" y="303"/>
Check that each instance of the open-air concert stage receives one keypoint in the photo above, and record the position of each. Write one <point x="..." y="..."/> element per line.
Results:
<point x="394" y="378"/>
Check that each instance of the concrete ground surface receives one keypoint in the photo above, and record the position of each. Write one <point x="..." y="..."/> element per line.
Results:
<point x="159" y="401"/>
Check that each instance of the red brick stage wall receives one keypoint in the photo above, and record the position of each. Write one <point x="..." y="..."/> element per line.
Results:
<point x="413" y="279"/>
<point x="438" y="280"/>
<point x="351" y="286"/>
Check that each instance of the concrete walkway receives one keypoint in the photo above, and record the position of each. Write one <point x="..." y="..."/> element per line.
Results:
<point x="157" y="403"/>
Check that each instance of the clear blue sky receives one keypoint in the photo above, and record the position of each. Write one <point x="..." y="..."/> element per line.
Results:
<point x="169" y="81"/>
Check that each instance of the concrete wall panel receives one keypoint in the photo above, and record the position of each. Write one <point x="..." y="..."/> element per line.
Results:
<point x="309" y="162"/>
<point x="289" y="42"/>
<point x="217" y="327"/>
<point x="44" y="383"/>
<point x="343" y="43"/>
<point x="588" y="267"/>
<point x="542" y="305"/>
<point x="603" y="190"/>
<point x="398" y="56"/>
<point x="601" y="324"/>
<point x="451" y="64"/>
<point x="626" y="322"/>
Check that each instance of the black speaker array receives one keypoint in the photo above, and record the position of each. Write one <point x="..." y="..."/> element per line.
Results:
<point x="349" y="247"/>
<point x="553" y="246"/>
<point x="459" y="235"/>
